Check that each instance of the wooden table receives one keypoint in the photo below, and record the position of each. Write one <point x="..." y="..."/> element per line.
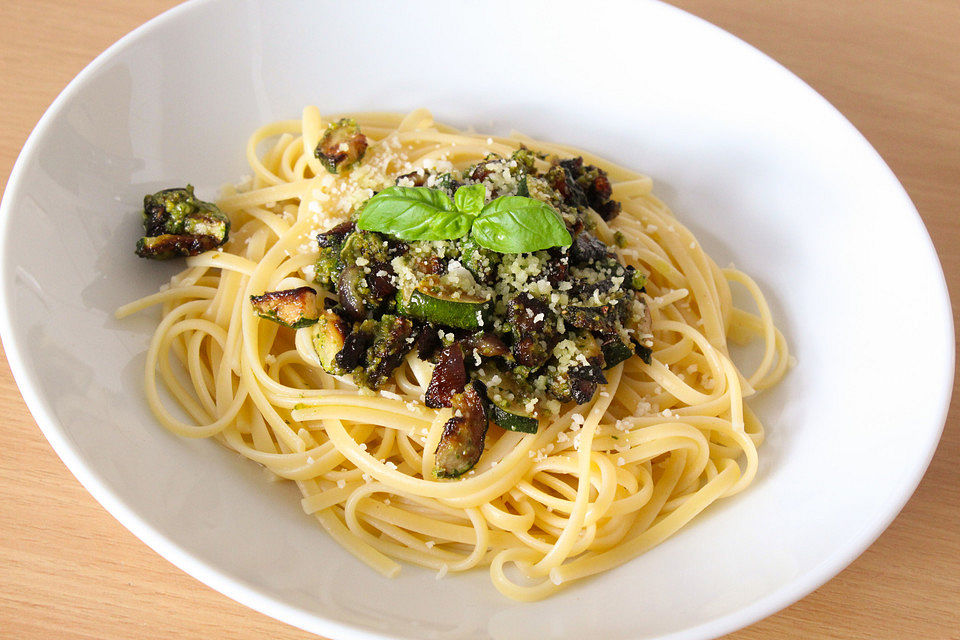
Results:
<point x="69" y="570"/>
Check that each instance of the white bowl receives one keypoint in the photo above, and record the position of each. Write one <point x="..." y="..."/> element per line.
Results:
<point x="764" y="170"/>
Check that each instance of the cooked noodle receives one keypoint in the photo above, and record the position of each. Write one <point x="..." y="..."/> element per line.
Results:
<point x="595" y="487"/>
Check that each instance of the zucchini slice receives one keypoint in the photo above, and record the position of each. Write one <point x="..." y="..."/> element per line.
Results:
<point x="328" y="337"/>
<point x="602" y="319"/>
<point x="461" y="443"/>
<point x="341" y="146"/>
<point x="507" y="406"/>
<point x="433" y="302"/>
<point x="294" y="308"/>
<point x="168" y="245"/>
<point x="645" y="353"/>
<point x="393" y="337"/>
<point x="615" y="352"/>
<point x="513" y="421"/>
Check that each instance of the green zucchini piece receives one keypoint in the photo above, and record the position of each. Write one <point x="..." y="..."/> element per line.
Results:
<point x="392" y="339"/>
<point x="645" y="353"/>
<point x="507" y="396"/>
<point x="615" y="352"/>
<point x="294" y="308"/>
<point x="168" y="245"/>
<point x="513" y="421"/>
<point x="638" y="281"/>
<point x="461" y="443"/>
<point x="328" y="337"/>
<point x="341" y="146"/>
<point x="433" y="302"/>
<point x="177" y="223"/>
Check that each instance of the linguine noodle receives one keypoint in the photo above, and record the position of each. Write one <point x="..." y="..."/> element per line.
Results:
<point x="598" y="484"/>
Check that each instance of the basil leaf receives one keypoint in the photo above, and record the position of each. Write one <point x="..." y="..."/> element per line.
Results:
<point x="469" y="198"/>
<point x="413" y="213"/>
<point x="515" y="224"/>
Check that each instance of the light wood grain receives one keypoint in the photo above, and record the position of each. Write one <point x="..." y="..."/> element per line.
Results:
<point x="68" y="570"/>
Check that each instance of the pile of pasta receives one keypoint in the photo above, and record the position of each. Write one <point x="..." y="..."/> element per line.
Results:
<point x="596" y="486"/>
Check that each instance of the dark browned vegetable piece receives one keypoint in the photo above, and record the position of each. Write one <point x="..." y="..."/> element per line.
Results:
<point x="461" y="443"/>
<point x="580" y="383"/>
<point x="569" y="387"/>
<point x="581" y="186"/>
<point x="355" y="346"/>
<point x="587" y="249"/>
<point x="336" y="236"/>
<point x="380" y="280"/>
<point x="349" y="286"/>
<point x="584" y="289"/>
<point x="177" y="223"/>
<point x="596" y="187"/>
<point x="416" y="178"/>
<point x="431" y="265"/>
<point x="171" y="245"/>
<point x="557" y="268"/>
<point x="393" y="338"/>
<point x="530" y="352"/>
<point x="396" y="248"/>
<point x="486" y="344"/>
<point x="479" y="171"/>
<point x="584" y="381"/>
<point x="574" y="166"/>
<point x="428" y="343"/>
<point x="295" y="308"/>
<point x="615" y="351"/>
<point x="645" y="353"/>
<point x="563" y="178"/>
<point x="341" y="146"/>
<point x="533" y="330"/>
<point x="608" y="210"/>
<point x="449" y="377"/>
<point x="591" y="373"/>
<point x="582" y="390"/>
<point x="602" y="319"/>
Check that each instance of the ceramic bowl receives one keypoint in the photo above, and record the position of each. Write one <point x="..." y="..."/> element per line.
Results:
<point x="762" y="169"/>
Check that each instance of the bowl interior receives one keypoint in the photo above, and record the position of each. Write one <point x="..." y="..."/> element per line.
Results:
<point x="761" y="168"/>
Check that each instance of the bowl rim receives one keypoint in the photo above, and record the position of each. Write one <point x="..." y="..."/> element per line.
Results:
<point x="247" y="594"/>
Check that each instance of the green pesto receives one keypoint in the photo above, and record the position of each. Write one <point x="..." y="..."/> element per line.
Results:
<point x="327" y="267"/>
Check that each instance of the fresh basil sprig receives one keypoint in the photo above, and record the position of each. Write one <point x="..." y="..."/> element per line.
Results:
<point x="509" y="224"/>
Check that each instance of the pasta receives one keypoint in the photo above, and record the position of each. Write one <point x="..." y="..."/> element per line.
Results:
<point x="597" y="485"/>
